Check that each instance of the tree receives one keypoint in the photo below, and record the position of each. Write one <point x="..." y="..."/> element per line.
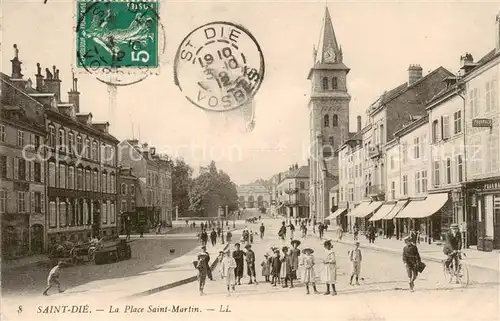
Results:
<point x="211" y="189"/>
<point x="181" y="181"/>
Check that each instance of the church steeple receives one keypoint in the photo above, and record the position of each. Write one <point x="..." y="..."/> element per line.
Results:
<point x="330" y="51"/>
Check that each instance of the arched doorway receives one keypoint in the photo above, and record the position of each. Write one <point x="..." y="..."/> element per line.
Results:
<point x="241" y="201"/>
<point x="251" y="201"/>
<point x="37" y="238"/>
<point x="260" y="201"/>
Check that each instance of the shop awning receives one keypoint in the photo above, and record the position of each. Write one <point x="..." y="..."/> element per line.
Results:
<point x="399" y="206"/>
<point x="336" y="213"/>
<point x="425" y="208"/>
<point x="370" y="209"/>
<point x="360" y="208"/>
<point x="382" y="211"/>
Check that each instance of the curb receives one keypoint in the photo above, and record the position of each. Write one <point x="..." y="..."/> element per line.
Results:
<point x="173" y="284"/>
<point x="428" y="258"/>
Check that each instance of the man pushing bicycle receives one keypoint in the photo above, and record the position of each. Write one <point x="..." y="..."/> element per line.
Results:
<point x="453" y="245"/>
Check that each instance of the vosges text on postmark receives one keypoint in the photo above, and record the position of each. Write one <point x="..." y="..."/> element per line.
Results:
<point x="219" y="66"/>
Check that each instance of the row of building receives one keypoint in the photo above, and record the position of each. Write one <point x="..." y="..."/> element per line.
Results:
<point x="63" y="176"/>
<point x="428" y="155"/>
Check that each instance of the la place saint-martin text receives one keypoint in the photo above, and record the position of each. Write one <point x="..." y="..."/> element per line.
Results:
<point x="129" y="309"/>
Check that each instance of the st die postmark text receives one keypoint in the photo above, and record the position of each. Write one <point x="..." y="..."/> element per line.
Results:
<point x="128" y="309"/>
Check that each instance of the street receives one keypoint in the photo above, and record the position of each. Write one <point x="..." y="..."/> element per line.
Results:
<point x="382" y="293"/>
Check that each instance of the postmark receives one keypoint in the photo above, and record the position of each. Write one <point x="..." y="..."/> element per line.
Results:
<point x="219" y="66"/>
<point x="119" y="41"/>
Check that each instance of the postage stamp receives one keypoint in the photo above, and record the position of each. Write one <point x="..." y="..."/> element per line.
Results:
<point x="119" y="38"/>
<point x="219" y="66"/>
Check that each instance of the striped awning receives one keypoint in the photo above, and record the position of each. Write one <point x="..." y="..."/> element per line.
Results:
<point x="361" y="208"/>
<point x="382" y="211"/>
<point x="338" y="212"/>
<point x="425" y="208"/>
<point x="399" y="206"/>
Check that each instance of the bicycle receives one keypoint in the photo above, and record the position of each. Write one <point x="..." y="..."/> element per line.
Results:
<point x="457" y="270"/>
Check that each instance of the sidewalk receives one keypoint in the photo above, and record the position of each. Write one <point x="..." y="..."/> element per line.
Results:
<point x="431" y="252"/>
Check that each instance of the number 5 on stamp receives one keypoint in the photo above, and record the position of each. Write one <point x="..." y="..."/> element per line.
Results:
<point x="117" y="33"/>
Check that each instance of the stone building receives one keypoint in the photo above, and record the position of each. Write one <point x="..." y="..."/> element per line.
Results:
<point x="154" y="174"/>
<point x="22" y="187"/>
<point x="127" y="187"/>
<point x="253" y="196"/>
<point x="293" y="191"/>
<point x="328" y="118"/>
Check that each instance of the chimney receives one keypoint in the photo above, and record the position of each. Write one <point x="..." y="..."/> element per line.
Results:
<point x="414" y="74"/>
<point x="145" y="150"/>
<point x="358" y="123"/>
<point x="497" y="33"/>
<point x="16" y="65"/>
<point x="53" y="83"/>
<point x="466" y="63"/>
<point x="74" y="95"/>
<point x="39" y="77"/>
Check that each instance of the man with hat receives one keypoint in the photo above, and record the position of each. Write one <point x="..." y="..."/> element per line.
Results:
<point x="294" y="258"/>
<point x="207" y="259"/>
<point x="453" y="245"/>
<point x="330" y="270"/>
<point x="203" y="268"/>
<point x="250" y="258"/>
<point x="411" y="258"/>
<point x="228" y="265"/>
<point x="355" y="257"/>
<point x="238" y="256"/>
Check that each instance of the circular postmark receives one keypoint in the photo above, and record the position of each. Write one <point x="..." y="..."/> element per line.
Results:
<point x="121" y="42"/>
<point x="219" y="66"/>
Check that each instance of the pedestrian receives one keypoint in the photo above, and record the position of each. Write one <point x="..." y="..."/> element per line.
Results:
<point x="413" y="235"/>
<point x="292" y="230"/>
<point x="282" y="231"/>
<point x="204" y="238"/>
<point x="286" y="268"/>
<point x="371" y="233"/>
<point x="355" y="257"/>
<point x="340" y="231"/>
<point x="262" y="230"/>
<point x="238" y="256"/>
<point x="228" y="266"/>
<point x="219" y="231"/>
<point x="355" y="230"/>
<point x="276" y="267"/>
<point x="330" y="269"/>
<point x="411" y="259"/>
<point x="213" y="237"/>
<point x="320" y="230"/>
<point x="207" y="259"/>
<point x="250" y="258"/>
<point x="314" y="228"/>
<point x="294" y="258"/>
<point x="304" y="231"/>
<point x="250" y="236"/>
<point x="128" y="227"/>
<point x="203" y="268"/>
<point x="266" y="267"/>
<point x="229" y="236"/>
<point x="309" y="275"/>
<point x="53" y="278"/>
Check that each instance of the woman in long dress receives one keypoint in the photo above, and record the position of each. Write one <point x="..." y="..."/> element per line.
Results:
<point x="285" y="267"/>
<point x="330" y="270"/>
<point x="309" y="276"/>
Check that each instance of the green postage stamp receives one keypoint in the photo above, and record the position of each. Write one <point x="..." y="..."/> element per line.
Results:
<point x="117" y="34"/>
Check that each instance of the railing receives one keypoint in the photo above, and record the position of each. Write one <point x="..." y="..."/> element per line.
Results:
<point x="375" y="190"/>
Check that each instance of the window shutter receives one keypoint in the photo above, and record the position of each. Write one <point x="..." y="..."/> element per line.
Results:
<point x="27" y="167"/>
<point x="16" y="168"/>
<point x="42" y="172"/>
<point x="32" y="202"/>
<point x="9" y="167"/>
<point x="26" y="202"/>
<point x="42" y="201"/>
<point x="32" y="171"/>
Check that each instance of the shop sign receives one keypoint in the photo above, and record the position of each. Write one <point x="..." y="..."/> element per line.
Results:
<point x="482" y="122"/>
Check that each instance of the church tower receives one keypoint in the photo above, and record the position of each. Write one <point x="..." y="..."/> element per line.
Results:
<point x="328" y="118"/>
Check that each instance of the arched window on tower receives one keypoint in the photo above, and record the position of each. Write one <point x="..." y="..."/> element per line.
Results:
<point x="334" y="83"/>
<point x="335" y="120"/>
<point x="326" y="121"/>
<point x="325" y="83"/>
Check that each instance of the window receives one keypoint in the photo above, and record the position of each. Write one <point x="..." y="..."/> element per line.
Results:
<point x="71" y="177"/>
<point x="112" y="213"/>
<point x="87" y="148"/>
<point x="104" y="182"/>
<point x="132" y="206"/>
<point x="79" y="178"/>
<point x="88" y="180"/>
<point x="3" y="201"/>
<point x="487" y="97"/>
<point x="132" y="190"/>
<point x="405" y="185"/>
<point x="52" y="136"/>
<point x="327" y="151"/>
<point x="62" y="138"/>
<point x="448" y="171"/>
<point x="325" y="83"/>
<point x="457" y="122"/>
<point x="21" y="202"/>
<point x="96" y="181"/>
<point x="37" y="167"/>
<point x="334" y="83"/>
<point x="416" y="148"/>
<point x="436" y="173"/>
<point x="331" y="141"/>
<point x="405" y="152"/>
<point x="112" y="183"/>
<point x="20" y="138"/>
<point x="494" y="94"/>
<point x="393" y="190"/>
<point x="492" y="151"/>
<point x="70" y="143"/>
<point x="435" y="131"/>
<point x="326" y="121"/>
<point x="2" y="133"/>
<point x="417" y="182"/>
<point x="3" y="166"/>
<point x="474" y="102"/>
<point x="62" y="176"/>
<point x="123" y="189"/>
<point x="335" y="120"/>
<point x="79" y="145"/>
<point x="52" y="174"/>
<point x="21" y="169"/>
<point x="94" y="151"/>
<point x="62" y="214"/>
<point x="104" y="213"/>
<point x="52" y="214"/>
<point x="460" y="168"/>
<point x="445" y="123"/>
<point x="124" y="206"/>
<point x="424" y="181"/>
<point x="302" y="185"/>
<point x="475" y="156"/>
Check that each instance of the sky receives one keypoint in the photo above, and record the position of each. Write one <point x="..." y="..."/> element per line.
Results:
<point x="379" y="41"/>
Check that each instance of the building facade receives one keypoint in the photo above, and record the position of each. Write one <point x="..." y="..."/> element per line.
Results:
<point x="293" y="193"/>
<point x="253" y="196"/>
<point x="127" y="187"/>
<point x="22" y="179"/>
<point x="328" y="118"/>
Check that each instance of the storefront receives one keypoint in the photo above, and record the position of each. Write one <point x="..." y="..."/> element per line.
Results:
<point x="337" y="218"/>
<point x="362" y="212"/>
<point x="382" y="212"/>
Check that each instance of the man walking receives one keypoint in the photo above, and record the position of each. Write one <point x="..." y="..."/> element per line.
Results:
<point x="238" y="256"/>
<point x="250" y="258"/>
<point x="262" y="230"/>
<point x="213" y="237"/>
<point x="411" y="259"/>
<point x="355" y="257"/>
<point x="204" y="238"/>
<point x="203" y="270"/>
<point x="53" y="278"/>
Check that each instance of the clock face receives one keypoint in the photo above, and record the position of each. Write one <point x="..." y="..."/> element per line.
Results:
<point x="330" y="55"/>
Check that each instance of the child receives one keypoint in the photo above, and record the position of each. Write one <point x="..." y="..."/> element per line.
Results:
<point x="276" y="267"/>
<point x="286" y="268"/>
<point x="266" y="268"/>
<point x="228" y="266"/>
<point x="53" y="278"/>
<point x="355" y="257"/>
<point x="309" y="274"/>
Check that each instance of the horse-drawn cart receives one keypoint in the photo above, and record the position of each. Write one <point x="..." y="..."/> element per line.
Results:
<point x="113" y="253"/>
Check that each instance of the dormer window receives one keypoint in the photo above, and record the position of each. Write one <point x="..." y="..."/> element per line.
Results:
<point x="325" y="83"/>
<point x="334" y="83"/>
<point x="326" y="121"/>
<point x="62" y="138"/>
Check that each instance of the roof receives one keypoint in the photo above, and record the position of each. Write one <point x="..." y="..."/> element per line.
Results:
<point x="301" y="172"/>
<point x="252" y="187"/>
<point x="418" y="121"/>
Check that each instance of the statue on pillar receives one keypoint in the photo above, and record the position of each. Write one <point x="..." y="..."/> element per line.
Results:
<point x="49" y="74"/>
<point x="38" y="69"/>
<point x="16" y="52"/>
